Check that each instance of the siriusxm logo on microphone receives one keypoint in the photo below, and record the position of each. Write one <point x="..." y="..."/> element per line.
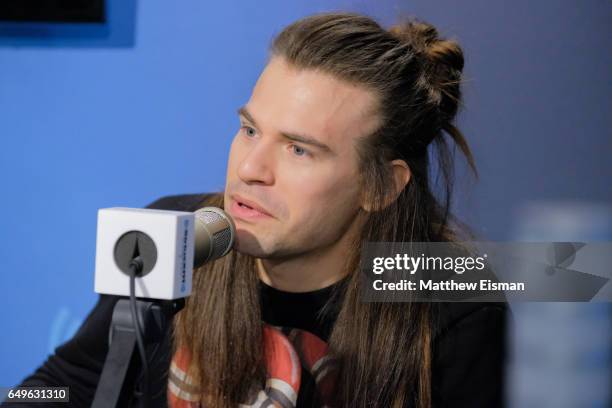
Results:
<point x="184" y="256"/>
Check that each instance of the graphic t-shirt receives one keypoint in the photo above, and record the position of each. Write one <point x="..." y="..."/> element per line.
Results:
<point x="297" y="327"/>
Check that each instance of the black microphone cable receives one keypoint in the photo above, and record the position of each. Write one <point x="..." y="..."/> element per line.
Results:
<point x="136" y="266"/>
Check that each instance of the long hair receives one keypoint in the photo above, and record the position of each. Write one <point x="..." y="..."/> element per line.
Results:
<point x="382" y="351"/>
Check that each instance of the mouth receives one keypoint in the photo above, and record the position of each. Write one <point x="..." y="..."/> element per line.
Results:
<point x="244" y="208"/>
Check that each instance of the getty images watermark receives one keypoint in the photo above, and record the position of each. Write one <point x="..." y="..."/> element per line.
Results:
<point x="487" y="271"/>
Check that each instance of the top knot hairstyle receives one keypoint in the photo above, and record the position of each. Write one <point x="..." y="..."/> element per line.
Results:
<point x="441" y="63"/>
<point x="416" y="76"/>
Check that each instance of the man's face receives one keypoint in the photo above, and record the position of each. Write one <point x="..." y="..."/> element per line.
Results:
<point x="295" y="159"/>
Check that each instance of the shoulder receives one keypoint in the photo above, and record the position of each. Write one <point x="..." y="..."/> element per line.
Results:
<point x="449" y="315"/>
<point x="187" y="202"/>
<point x="469" y="354"/>
<point x="459" y="326"/>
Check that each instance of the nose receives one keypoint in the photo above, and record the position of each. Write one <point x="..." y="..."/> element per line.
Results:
<point x="257" y="165"/>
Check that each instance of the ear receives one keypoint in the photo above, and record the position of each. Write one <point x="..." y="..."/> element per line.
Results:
<point x="401" y="177"/>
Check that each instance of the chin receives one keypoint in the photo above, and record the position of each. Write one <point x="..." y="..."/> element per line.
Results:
<point x="248" y="244"/>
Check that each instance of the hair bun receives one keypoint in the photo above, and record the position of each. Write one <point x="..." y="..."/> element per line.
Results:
<point x="423" y="38"/>
<point x="442" y="63"/>
<point x="417" y="33"/>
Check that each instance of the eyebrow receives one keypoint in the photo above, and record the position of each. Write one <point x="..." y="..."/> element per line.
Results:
<point x="291" y="136"/>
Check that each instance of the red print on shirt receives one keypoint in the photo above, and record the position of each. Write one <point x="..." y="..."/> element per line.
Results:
<point x="286" y="354"/>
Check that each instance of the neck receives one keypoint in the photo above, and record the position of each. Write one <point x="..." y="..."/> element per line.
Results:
<point x="312" y="270"/>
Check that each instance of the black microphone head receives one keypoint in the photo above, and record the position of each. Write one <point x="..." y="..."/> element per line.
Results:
<point x="214" y="235"/>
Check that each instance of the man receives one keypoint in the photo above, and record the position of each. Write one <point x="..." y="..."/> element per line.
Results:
<point x="332" y="151"/>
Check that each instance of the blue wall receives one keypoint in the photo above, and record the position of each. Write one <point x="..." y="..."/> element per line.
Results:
<point x="164" y="79"/>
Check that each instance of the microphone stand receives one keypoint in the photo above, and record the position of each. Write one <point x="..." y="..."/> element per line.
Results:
<point x="156" y="316"/>
<point x="140" y="322"/>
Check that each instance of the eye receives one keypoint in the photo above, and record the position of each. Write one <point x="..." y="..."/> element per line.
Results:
<point x="249" y="131"/>
<point x="299" y="151"/>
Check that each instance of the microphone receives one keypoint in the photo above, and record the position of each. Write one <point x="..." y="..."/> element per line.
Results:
<point x="214" y="235"/>
<point x="167" y="245"/>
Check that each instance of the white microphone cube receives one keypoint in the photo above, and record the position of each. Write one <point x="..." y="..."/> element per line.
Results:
<point x="171" y="232"/>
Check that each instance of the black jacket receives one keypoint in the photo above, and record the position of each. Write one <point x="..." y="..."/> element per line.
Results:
<point x="468" y="351"/>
